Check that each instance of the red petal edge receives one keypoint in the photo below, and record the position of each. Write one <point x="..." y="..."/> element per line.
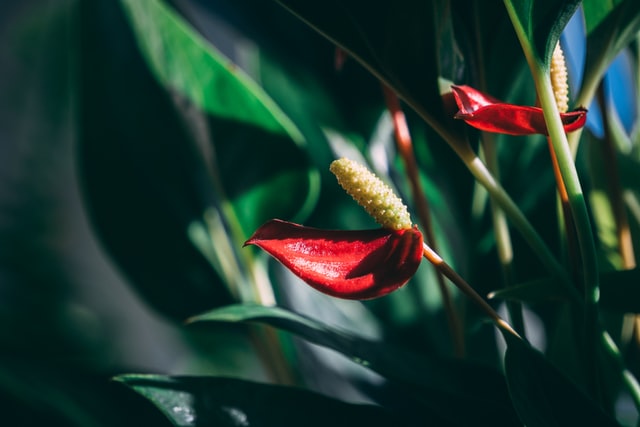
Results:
<point x="490" y="115"/>
<point x="359" y="265"/>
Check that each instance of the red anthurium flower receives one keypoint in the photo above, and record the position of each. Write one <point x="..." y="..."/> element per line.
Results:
<point x="486" y="113"/>
<point x="361" y="264"/>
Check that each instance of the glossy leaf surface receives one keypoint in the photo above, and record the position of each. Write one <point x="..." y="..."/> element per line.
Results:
<point x="346" y="264"/>
<point x="543" y="22"/>
<point x="439" y="385"/>
<point x="197" y="401"/>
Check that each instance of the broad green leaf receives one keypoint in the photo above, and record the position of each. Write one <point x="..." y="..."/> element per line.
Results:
<point x="198" y="401"/>
<point x="396" y="41"/>
<point x="143" y="177"/>
<point x="153" y="164"/>
<point x="611" y="25"/>
<point x="542" y="395"/>
<point x="182" y="60"/>
<point x="257" y="147"/>
<point x="543" y="22"/>
<point x="442" y="383"/>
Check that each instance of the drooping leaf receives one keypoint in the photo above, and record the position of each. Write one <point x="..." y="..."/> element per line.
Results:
<point x="153" y="164"/>
<point x="543" y="22"/>
<point x="181" y="59"/>
<point x="247" y="126"/>
<point x="143" y="178"/>
<point x="197" y="401"/>
<point x="439" y="384"/>
<point x="542" y="395"/>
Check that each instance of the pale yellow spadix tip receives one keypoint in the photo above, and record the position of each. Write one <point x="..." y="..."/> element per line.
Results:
<point x="559" y="79"/>
<point x="372" y="194"/>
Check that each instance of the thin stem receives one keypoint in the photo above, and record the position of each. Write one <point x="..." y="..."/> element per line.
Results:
<point x="568" y="225"/>
<point x="504" y="247"/>
<point x="405" y="148"/>
<point x="582" y="222"/>
<point x="483" y="176"/>
<point x="577" y="202"/>
<point x="435" y="259"/>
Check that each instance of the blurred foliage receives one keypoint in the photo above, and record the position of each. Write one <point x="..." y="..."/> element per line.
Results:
<point x="142" y="142"/>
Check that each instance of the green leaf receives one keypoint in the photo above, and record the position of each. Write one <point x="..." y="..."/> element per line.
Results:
<point x="197" y="401"/>
<point x="543" y="22"/>
<point x="396" y="41"/>
<point x="533" y="291"/>
<point x="611" y="25"/>
<point x="619" y="291"/>
<point x="443" y="384"/>
<point x="143" y="177"/>
<point x="542" y="395"/>
<point x="153" y="165"/>
<point x="184" y="61"/>
<point x="260" y="162"/>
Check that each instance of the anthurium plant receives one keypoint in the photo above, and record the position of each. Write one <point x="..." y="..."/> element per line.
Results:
<point x="380" y="213"/>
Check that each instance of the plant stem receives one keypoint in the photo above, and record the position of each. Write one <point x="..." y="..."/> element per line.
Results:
<point x="405" y="148"/>
<point x="578" y="207"/>
<point x="435" y="259"/>
<point x="502" y="235"/>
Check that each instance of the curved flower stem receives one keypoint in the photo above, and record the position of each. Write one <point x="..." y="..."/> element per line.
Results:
<point x="405" y="148"/>
<point x="435" y="259"/>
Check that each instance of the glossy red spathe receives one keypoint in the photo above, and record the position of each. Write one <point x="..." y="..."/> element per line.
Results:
<point x="362" y="264"/>
<point x="489" y="114"/>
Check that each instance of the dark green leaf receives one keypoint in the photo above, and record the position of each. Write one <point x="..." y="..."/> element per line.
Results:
<point x="619" y="291"/>
<point x="543" y="22"/>
<point x="541" y="290"/>
<point x="394" y="40"/>
<point x="611" y="26"/>
<point x="246" y="125"/>
<point x="143" y="178"/>
<point x="442" y="383"/>
<point x="199" y="401"/>
<point x="35" y="392"/>
<point x="542" y="395"/>
<point x="154" y="165"/>
<point x="185" y="62"/>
